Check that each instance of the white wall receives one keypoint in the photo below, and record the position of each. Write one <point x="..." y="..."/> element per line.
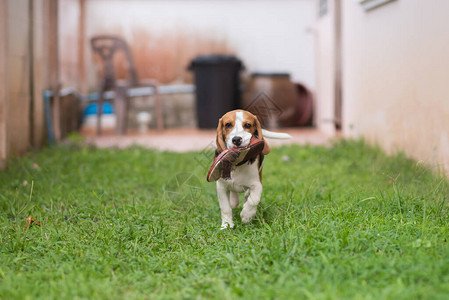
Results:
<point x="396" y="77"/>
<point x="325" y="71"/>
<point x="267" y="35"/>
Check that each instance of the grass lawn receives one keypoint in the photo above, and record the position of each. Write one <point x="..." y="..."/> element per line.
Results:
<point x="345" y="222"/>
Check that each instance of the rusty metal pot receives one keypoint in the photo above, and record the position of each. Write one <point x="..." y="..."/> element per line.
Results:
<point x="273" y="98"/>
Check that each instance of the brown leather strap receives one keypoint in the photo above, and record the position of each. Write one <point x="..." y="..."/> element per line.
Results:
<point x="227" y="164"/>
<point x="226" y="171"/>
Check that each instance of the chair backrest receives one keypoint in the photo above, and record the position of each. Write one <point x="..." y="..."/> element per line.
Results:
<point x="107" y="46"/>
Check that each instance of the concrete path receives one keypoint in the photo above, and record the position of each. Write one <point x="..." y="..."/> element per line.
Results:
<point x="183" y="140"/>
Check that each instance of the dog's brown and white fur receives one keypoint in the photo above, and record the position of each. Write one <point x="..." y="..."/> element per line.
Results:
<point x="235" y="129"/>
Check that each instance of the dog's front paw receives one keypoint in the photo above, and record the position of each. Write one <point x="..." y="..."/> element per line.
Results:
<point x="226" y="225"/>
<point x="248" y="213"/>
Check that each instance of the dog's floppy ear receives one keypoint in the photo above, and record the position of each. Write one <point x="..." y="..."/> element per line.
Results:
<point x="266" y="148"/>
<point x="220" y="141"/>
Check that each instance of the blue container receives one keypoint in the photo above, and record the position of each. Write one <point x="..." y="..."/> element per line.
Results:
<point x="92" y="109"/>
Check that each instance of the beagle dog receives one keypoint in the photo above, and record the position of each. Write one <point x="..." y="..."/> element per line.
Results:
<point x="235" y="129"/>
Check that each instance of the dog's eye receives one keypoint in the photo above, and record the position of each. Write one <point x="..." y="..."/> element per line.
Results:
<point x="247" y="126"/>
<point x="228" y="125"/>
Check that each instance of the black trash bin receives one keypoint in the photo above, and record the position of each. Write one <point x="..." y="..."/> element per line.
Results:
<point x="217" y="87"/>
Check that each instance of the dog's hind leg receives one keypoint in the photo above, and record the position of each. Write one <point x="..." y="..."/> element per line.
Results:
<point x="234" y="199"/>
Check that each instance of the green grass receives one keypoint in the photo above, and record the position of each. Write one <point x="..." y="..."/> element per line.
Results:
<point x="346" y="222"/>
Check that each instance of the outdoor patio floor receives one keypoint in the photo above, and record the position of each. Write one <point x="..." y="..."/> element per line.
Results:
<point x="183" y="140"/>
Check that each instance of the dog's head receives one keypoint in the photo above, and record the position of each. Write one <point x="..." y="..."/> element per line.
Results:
<point x="236" y="128"/>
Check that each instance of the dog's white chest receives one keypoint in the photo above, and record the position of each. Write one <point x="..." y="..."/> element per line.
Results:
<point x="242" y="177"/>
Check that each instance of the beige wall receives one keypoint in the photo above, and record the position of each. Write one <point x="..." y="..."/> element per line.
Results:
<point x="40" y="68"/>
<point x="24" y="74"/>
<point x="396" y="77"/>
<point x="3" y="85"/>
<point x="68" y="30"/>
<point x="18" y="70"/>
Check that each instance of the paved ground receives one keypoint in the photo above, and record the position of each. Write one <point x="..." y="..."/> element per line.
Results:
<point x="183" y="140"/>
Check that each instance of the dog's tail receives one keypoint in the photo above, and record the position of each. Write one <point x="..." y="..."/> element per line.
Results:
<point x="275" y="135"/>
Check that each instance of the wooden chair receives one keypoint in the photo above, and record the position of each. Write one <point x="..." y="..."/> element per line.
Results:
<point x="106" y="46"/>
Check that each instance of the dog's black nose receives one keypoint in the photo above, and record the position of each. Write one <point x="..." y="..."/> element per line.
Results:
<point x="237" y="140"/>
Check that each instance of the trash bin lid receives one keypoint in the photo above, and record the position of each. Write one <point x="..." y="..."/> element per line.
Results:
<point x="214" y="60"/>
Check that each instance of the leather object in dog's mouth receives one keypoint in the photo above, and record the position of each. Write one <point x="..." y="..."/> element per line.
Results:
<point x="228" y="158"/>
